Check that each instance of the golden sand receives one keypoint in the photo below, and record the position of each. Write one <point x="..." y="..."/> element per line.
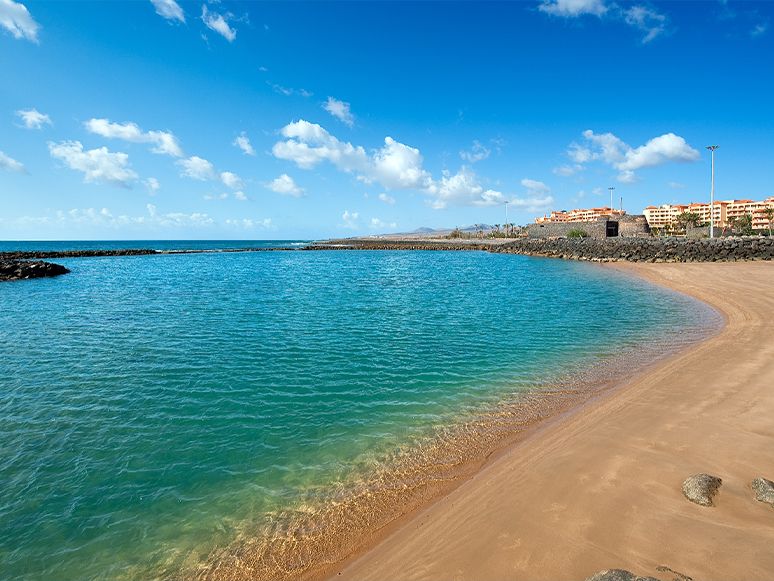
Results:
<point x="600" y="487"/>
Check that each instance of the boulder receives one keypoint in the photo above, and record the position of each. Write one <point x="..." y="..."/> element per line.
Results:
<point x="764" y="490"/>
<point x="700" y="488"/>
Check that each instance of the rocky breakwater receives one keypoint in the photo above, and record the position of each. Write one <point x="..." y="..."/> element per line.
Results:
<point x="730" y="249"/>
<point x="21" y="269"/>
<point x="34" y="254"/>
<point x="406" y="244"/>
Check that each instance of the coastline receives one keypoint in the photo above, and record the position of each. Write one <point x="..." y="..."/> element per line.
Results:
<point x="357" y="518"/>
<point x="600" y="487"/>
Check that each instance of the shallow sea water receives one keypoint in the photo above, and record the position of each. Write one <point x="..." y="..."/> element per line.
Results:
<point x="157" y="408"/>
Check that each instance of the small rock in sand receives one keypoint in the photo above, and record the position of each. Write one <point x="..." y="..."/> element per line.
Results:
<point x="764" y="490"/>
<point x="700" y="488"/>
<point x="618" y="575"/>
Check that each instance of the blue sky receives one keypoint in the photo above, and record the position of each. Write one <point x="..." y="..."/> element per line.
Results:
<point x="293" y="120"/>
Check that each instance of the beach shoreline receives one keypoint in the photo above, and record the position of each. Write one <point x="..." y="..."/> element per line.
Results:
<point x="600" y="487"/>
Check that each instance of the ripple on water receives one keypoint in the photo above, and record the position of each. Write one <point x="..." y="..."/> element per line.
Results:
<point x="171" y="413"/>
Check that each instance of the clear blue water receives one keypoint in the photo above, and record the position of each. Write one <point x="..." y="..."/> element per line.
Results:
<point x="155" y="407"/>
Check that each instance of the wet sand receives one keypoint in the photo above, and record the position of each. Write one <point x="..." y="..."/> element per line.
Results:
<point x="600" y="488"/>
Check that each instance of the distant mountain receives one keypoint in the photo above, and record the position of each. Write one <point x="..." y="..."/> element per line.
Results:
<point x="425" y="232"/>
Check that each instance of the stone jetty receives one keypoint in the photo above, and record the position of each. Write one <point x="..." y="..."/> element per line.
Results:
<point x="21" y="269"/>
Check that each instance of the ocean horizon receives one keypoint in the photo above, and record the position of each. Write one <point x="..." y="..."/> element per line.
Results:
<point x="165" y="413"/>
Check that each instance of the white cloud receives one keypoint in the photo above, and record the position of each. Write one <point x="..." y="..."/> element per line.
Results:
<point x="178" y="219"/>
<point x="99" y="165"/>
<point x="169" y="9"/>
<point x="244" y="144"/>
<point x="339" y="109"/>
<point x="647" y="20"/>
<point x="220" y="197"/>
<point x="396" y="166"/>
<point x="376" y="223"/>
<point x="581" y="194"/>
<point x="615" y="152"/>
<point x="477" y="153"/>
<point x="16" y="19"/>
<point x="538" y="197"/>
<point x="10" y="164"/>
<point x="198" y="169"/>
<point x="240" y="196"/>
<point x="578" y="153"/>
<point x="573" y="8"/>
<point x="759" y="29"/>
<point x="640" y="17"/>
<point x="232" y="180"/>
<point x="164" y="142"/>
<point x="676" y="185"/>
<point x="32" y="118"/>
<point x="351" y="221"/>
<point x="218" y="23"/>
<point x="286" y="186"/>
<point x="628" y="177"/>
<point x="598" y="191"/>
<point x="386" y="198"/>
<point x="462" y="189"/>
<point x="658" y="151"/>
<point x="289" y="92"/>
<point x="247" y="223"/>
<point x="612" y="148"/>
<point x="153" y="185"/>
<point x="567" y="171"/>
<point x="499" y="142"/>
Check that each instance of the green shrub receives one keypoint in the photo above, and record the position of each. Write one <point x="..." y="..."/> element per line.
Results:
<point x="577" y="233"/>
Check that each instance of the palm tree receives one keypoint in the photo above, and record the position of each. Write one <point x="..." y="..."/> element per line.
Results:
<point x="731" y="223"/>
<point x="769" y="216"/>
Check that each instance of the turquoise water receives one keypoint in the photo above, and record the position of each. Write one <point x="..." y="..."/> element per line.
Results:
<point x="156" y="407"/>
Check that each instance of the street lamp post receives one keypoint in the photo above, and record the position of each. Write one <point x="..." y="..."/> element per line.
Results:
<point x="611" y="202"/>
<point x="712" y="148"/>
<point x="506" y="219"/>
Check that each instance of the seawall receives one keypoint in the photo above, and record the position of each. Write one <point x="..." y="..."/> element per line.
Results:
<point x="728" y="249"/>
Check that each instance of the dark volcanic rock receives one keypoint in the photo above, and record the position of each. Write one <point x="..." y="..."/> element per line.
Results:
<point x="21" y="269"/>
<point x="30" y="254"/>
<point x="700" y="488"/>
<point x="618" y="575"/>
<point x="764" y="490"/>
<point x="592" y="249"/>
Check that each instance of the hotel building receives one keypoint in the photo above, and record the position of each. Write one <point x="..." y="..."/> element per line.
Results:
<point x="666" y="214"/>
<point x="588" y="215"/>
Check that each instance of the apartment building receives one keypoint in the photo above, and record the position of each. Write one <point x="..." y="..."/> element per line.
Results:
<point x="722" y="211"/>
<point x="660" y="216"/>
<point x="587" y="215"/>
<point x="555" y="218"/>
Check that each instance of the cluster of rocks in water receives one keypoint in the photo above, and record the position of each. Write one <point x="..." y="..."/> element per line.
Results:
<point x="729" y="249"/>
<point x="21" y="269"/>
<point x="20" y="265"/>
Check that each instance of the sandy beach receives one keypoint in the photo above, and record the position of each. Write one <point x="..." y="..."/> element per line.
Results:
<point x="600" y="488"/>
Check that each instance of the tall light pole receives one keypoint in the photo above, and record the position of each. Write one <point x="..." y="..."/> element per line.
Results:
<point x="506" y="219"/>
<point x="611" y="202"/>
<point x="712" y="148"/>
